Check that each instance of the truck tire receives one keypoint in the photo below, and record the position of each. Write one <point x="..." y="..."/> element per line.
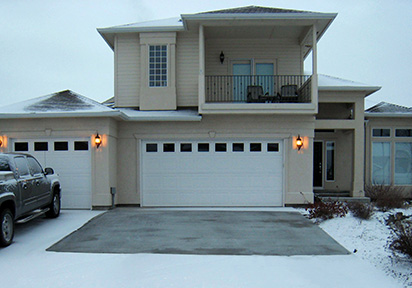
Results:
<point x="54" y="207"/>
<point x="7" y="227"/>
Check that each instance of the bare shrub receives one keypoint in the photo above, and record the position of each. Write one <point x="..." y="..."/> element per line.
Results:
<point x="385" y="197"/>
<point x="326" y="210"/>
<point x="401" y="238"/>
<point x="360" y="210"/>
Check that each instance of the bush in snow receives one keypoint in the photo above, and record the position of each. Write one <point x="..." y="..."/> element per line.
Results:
<point x="385" y="197"/>
<point x="401" y="238"/>
<point x="361" y="210"/>
<point x="326" y="210"/>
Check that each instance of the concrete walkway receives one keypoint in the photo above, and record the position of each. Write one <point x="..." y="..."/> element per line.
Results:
<point x="136" y="230"/>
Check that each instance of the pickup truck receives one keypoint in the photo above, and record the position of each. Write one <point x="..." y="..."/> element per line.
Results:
<point x="26" y="192"/>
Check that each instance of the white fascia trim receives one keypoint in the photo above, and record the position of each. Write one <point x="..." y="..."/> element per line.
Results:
<point x="238" y="16"/>
<point x="164" y="118"/>
<point x="369" y="89"/>
<point x="387" y="115"/>
<point x="59" y="115"/>
<point x="111" y="30"/>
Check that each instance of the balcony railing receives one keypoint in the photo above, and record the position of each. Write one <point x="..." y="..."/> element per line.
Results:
<point x="258" y="89"/>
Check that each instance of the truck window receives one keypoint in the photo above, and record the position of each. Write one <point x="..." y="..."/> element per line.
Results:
<point x="21" y="166"/>
<point x="34" y="166"/>
<point x="4" y="165"/>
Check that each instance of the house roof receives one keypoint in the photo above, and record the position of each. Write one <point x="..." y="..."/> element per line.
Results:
<point x="253" y="9"/>
<point x="384" y="109"/>
<point x="322" y="20"/>
<point x="330" y="83"/>
<point x="61" y="104"/>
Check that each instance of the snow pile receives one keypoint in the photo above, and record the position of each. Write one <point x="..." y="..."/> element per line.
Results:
<point x="368" y="239"/>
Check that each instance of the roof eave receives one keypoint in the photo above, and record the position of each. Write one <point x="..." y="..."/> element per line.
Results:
<point x="32" y="115"/>
<point x="252" y="16"/>
<point x="387" y="115"/>
<point x="367" y="89"/>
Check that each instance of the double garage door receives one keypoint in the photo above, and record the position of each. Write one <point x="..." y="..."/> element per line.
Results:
<point x="70" y="159"/>
<point x="212" y="173"/>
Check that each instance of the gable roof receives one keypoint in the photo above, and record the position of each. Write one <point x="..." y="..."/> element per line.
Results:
<point x="384" y="109"/>
<point x="61" y="104"/>
<point x="253" y="9"/>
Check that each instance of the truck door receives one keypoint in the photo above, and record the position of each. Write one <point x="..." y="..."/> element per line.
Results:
<point x="28" y="201"/>
<point x="40" y="185"/>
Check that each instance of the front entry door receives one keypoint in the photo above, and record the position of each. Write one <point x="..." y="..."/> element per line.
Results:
<point x="317" y="164"/>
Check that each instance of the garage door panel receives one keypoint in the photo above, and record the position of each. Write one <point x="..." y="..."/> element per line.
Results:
<point x="213" y="178"/>
<point x="72" y="165"/>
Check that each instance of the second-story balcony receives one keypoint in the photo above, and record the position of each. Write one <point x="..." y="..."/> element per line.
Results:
<point x="258" y="89"/>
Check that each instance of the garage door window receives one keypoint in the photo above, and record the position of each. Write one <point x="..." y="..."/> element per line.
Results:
<point x="81" y="145"/>
<point x="41" y="146"/>
<point x="220" y="147"/>
<point x="255" y="147"/>
<point x="21" y="146"/>
<point x="151" y="147"/>
<point x="168" y="147"/>
<point x="203" y="147"/>
<point x="273" y="147"/>
<point x="185" y="147"/>
<point x="61" y="146"/>
<point x="238" y="147"/>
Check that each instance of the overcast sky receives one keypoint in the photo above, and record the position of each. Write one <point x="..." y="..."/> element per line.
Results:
<point x="52" y="45"/>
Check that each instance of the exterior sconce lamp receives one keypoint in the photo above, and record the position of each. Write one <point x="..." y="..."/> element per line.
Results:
<point x="222" y="57"/>
<point x="1" y="143"/>
<point x="299" y="142"/>
<point x="97" y="140"/>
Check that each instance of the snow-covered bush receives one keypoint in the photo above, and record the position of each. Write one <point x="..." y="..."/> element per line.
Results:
<point x="401" y="233"/>
<point x="385" y="197"/>
<point x="326" y="210"/>
<point x="360" y="210"/>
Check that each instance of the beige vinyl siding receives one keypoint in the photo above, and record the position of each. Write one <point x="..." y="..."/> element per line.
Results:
<point x="127" y="70"/>
<point x="286" y="53"/>
<point x="187" y="68"/>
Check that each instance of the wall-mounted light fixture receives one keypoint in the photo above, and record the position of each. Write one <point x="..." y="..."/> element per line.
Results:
<point x="1" y="143"/>
<point x="299" y="142"/>
<point x="222" y="57"/>
<point x="97" y="140"/>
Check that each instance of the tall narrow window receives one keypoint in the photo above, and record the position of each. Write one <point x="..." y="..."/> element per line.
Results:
<point x="381" y="163"/>
<point x="330" y="161"/>
<point x="157" y="65"/>
<point x="403" y="163"/>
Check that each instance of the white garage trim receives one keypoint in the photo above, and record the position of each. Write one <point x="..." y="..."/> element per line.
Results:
<point x="71" y="160"/>
<point x="229" y="173"/>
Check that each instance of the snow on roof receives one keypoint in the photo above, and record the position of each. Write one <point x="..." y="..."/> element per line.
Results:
<point x="384" y="109"/>
<point x="326" y="82"/>
<point x="173" y="115"/>
<point x="64" y="103"/>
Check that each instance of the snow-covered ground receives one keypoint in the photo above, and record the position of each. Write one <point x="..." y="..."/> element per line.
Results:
<point x="370" y="240"/>
<point x="26" y="263"/>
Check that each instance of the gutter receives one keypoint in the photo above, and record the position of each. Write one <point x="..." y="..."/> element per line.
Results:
<point x="387" y="115"/>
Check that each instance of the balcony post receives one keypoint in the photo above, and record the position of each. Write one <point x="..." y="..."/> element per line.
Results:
<point x="314" y="68"/>
<point x="201" y="68"/>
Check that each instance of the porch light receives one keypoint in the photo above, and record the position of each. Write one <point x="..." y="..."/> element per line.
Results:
<point x="299" y="142"/>
<point x="97" y="140"/>
<point x="222" y="57"/>
<point x="1" y="143"/>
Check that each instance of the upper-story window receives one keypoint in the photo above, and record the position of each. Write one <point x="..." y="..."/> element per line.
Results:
<point x="157" y="65"/>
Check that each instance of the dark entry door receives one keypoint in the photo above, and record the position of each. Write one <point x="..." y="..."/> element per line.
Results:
<point x="317" y="164"/>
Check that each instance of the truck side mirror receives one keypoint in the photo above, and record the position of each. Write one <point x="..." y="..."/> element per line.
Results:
<point x="48" y="171"/>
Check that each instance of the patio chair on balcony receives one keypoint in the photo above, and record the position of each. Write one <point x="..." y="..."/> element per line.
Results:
<point x="255" y="94"/>
<point x="289" y="93"/>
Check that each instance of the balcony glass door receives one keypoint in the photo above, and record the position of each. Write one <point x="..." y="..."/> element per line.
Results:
<point x="241" y="79"/>
<point x="264" y="77"/>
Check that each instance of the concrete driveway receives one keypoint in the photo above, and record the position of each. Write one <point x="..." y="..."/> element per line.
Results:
<point x="137" y="230"/>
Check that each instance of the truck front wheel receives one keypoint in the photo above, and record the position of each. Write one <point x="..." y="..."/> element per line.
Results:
<point x="7" y="227"/>
<point x="54" y="207"/>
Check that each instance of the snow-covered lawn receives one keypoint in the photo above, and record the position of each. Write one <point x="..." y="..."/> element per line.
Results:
<point x="26" y="263"/>
<point x="370" y="240"/>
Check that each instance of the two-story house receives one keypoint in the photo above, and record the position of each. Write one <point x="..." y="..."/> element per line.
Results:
<point x="209" y="109"/>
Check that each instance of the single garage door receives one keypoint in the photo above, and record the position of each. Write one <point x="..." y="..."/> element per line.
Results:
<point x="70" y="159"/>
<point x="212" y="173"/>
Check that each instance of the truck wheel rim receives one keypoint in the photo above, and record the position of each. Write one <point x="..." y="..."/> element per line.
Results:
<point x="7" y="227"/>
<point x="56" y="204"/>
